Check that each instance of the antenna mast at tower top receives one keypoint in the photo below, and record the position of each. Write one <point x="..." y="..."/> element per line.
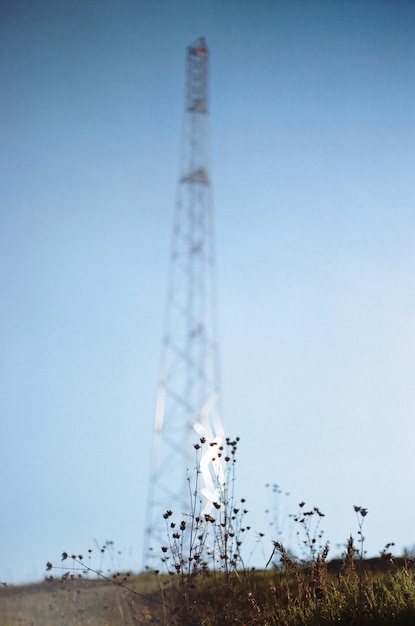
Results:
<point x="197" y="77"/>
<point x="188" y="393"/>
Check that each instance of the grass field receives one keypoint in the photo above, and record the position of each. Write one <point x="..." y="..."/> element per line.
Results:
<point x="202" y="580"/>
<point x="319" y="593"/>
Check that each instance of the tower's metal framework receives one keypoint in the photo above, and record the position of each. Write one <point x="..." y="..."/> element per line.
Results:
<point x="188" y="395"/>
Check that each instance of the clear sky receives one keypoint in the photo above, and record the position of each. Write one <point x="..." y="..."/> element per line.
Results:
<point x="313" y="152"/>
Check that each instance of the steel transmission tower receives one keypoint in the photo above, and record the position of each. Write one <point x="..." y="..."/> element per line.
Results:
<point x="188" y="395"/>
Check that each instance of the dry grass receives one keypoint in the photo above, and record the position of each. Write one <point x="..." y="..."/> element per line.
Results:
<point x="295" y="595"/>
<point x="202" y="580"/>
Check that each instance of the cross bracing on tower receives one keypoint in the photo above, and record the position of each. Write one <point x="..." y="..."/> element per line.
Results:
<point x="188" y="394"/>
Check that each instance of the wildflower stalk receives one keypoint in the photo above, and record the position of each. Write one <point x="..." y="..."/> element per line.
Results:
<point x="361" y="513"/>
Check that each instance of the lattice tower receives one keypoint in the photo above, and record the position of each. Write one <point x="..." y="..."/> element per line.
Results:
<point x="188" y="395"/>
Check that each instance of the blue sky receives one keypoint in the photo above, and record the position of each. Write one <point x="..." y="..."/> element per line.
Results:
<point x="313" y="144"/>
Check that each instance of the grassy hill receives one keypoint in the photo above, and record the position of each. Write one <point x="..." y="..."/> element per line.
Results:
<point x="203" y="582"/>
<point x="350" y="592"/>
